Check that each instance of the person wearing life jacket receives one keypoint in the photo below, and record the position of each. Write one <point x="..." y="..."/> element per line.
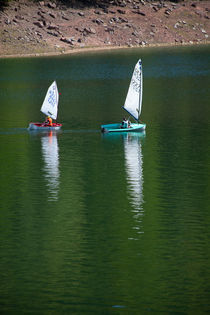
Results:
<point x="48" y="121"/>
<point x="125" y="123"/>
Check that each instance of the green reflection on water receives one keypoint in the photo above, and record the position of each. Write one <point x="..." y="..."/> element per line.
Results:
<point x="92" y="222"/>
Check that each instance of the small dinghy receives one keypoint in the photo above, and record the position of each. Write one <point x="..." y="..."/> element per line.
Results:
<point x="133" y="104"/>
<point x="50" y="109"/>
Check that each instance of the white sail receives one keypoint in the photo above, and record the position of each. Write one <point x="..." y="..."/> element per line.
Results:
<point x="134" y="97"/>
<point x="50" y="104"/>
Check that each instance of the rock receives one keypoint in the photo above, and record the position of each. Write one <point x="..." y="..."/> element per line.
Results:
<point x="7" y="21"/>
<point x="88" y="30"/>
<point x="19" y="17"/>
<point x="123" y="20"/>
<point x="40" y="14"/>
<point x="177" y="25"/>
<point x="98" y="21"/>
<point x="135" y="33"/>
<point x="155" y="8"/>
<point x="107" y="42"/>
<point x="78" y="29"/>
<point x="98" y="12"/>
<point x="122" y="3"/>
<point x="53" y="34"/>
<point x="42" y="11"/>
<point x="109" y="30"/>
<point x="53" y="27"/>
<point x="143" y="43"/>
<point x="121" y="11"/>
<point x="81" y="14"/>
<point x="139" y="12"/>
<point x="51" y="5"/>
<point x="39" y="34"/>
<point x="167" y="12"/>
<point x="92" y="30"/>
<point x="52" y="15"/>
<point x="65" y="18"/>
<point x="68" y="40"/>
<point x="113" y="20"/>
<point x="39" y="24"/>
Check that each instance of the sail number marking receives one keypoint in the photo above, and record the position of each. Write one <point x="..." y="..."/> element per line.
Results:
<point x="136" y="82"/>
<point x="52" y="98"/>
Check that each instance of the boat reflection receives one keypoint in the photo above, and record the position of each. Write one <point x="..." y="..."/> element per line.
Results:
<point x="133" y="164"/>
<point x="132" y="143"/>
<point x="134" y="170"/>
<point x="50" y="152"/>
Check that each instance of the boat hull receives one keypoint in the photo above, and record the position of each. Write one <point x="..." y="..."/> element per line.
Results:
<point x="118" y="128"/>
<point x="43" y="126"/>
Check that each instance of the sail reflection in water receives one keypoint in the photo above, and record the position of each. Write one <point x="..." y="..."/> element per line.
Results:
<point x="134" y="164"/>
<point x="51" y="168"/>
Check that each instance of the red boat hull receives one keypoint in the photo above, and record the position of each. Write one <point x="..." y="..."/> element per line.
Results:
<point x="43" y="126"/>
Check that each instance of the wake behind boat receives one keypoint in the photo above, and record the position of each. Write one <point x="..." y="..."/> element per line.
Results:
<point x="50" y="109"/>
<point x="133" y="105"/>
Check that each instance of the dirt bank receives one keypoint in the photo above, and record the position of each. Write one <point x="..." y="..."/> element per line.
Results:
<point x="28" y="28"/>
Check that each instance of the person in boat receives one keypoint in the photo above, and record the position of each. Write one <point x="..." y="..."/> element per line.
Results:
<point x="48" y="121"/>
<point x="125" y="123"/>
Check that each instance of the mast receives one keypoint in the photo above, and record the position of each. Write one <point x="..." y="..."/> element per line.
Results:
<point x="140" y="88"/>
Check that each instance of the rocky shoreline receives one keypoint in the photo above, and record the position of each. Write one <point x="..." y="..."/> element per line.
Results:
<point x="28" y="28"/>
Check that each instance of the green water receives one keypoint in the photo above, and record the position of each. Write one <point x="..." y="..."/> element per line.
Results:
<point x="106" y="224"/>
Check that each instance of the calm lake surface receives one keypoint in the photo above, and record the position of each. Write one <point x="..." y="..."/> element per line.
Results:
<point x="106" y="224"/>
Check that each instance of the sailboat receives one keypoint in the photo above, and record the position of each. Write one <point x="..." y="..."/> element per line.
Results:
<point x="132" y="105"/>
<point x="49" y="108"/>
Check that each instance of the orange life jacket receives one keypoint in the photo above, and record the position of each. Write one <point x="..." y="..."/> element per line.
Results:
<point x="49" y="121"/>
